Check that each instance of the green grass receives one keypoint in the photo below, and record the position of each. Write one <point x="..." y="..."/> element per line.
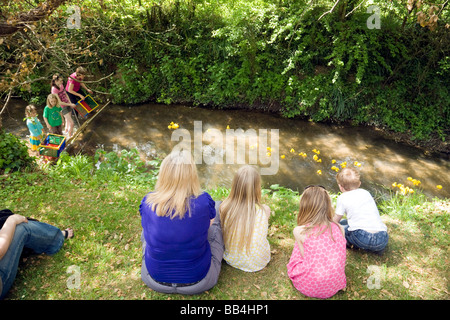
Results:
<point x="102" y="208"/>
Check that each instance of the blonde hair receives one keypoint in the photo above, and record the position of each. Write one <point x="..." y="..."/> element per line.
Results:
<point x="315" y="210"/>
<point x="80" y="71"/>
<point x="348" y="178"/>
<point x="177" y="183"/>
<point x="29" y="109"/>
<point x="51" y="95"/>
<point x="238" y="210"/>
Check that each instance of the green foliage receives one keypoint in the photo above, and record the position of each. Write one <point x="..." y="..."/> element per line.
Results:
<point x="108" y="249"/>
<point x="277" y="56"/>
<point x="13" y="153"/>
<point x="106" y="166"/>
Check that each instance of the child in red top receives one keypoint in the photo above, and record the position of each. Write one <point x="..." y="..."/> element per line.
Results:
<point x="73" y="87"/>
<point x="66" y="105"/>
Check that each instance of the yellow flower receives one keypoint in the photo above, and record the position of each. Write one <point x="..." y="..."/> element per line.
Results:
<point x="283" y="156"/>
<point x="228" y="126"/>
<point x="439" y="186"/>
<point x="335" y="168"/>
<point x="319" y="160"/>
<point x="343" y="164"/>
<point x="394" y="184"/>
<point x="292" y="150"/>
<point x="409" y="179"/>
<point x="357" y="164"/>
<point x="268" y="154"/>
<point x="268" y="149"/>
<point x="319" y="171"/>
<point x="315" y="157"/>
<point x="302" y="154"/>
<point x="316" y="151"/>
<point x="333" y="161"/>
<point x="173" y="125"/>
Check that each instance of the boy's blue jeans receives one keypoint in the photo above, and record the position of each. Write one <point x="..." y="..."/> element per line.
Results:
<point x="38" y="236"/>
<point x="374" y="242"/>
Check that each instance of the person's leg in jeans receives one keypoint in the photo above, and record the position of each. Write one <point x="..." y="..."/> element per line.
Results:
<point x="369" y="241"/>
<point x="37" y="236"/>
<point x="344" y="224"/>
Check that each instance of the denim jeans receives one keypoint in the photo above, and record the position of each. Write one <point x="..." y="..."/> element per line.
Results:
<point x="37" y="236"/>
<point x="361" y="239"/>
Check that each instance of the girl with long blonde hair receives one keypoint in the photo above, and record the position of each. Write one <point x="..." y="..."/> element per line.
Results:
<point x="317" y="263"/>
<point x="182" y="236"/>
<point x="177" y="183"/>
<point x="53" y="117"/>
<point x="245" y="222"/>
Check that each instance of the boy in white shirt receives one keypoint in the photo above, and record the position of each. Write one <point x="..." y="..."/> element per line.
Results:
<point x="363" y="227"/>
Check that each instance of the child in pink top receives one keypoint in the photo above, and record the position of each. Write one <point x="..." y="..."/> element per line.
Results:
<point x="74" y="88"/>
<point x="317" y="263"/>
<point x="66" y="105"/>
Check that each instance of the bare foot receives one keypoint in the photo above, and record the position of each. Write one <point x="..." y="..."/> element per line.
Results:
<point x="68" y="233"/>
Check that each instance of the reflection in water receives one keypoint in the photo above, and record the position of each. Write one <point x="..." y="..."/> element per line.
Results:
<point x="145" y="127"/>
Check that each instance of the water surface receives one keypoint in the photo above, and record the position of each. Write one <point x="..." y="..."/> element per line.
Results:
<point x="145" y="127"/>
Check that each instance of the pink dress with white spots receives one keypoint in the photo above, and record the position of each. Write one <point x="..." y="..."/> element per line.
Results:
<point x="320" y="273"/>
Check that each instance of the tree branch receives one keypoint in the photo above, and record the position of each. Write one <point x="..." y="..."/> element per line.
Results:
<point x="355" y="8"/>
<point x="17" y="23"/>
<point x="330" y="11"/>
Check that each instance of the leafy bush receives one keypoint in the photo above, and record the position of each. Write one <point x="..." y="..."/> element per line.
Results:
<point x="275" y="55"/>
<point x="13" y="153"/>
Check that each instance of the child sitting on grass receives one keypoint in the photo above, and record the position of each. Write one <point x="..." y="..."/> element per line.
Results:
<point x="363" y="226"/>
<point x="317" y="263"/>
<point x="245" y="222"/>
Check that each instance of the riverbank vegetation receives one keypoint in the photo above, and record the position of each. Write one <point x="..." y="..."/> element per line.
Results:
<point x="99" y="198"/>
<point x="327" y="60"/>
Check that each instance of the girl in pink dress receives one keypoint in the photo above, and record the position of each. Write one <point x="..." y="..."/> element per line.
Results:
<point x="67" y="106"/>
<point x="317" y="264"/>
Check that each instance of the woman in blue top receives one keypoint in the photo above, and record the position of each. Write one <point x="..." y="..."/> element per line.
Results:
<point x="182" y="237"/>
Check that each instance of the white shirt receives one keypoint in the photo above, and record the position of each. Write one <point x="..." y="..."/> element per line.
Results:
<point x="361" y="211"/>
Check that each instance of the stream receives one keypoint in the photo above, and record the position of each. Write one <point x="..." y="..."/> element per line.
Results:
<point x="277" y="145"/>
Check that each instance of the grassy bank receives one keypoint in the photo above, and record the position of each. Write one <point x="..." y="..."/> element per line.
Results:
<point x="102" y="204"/>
